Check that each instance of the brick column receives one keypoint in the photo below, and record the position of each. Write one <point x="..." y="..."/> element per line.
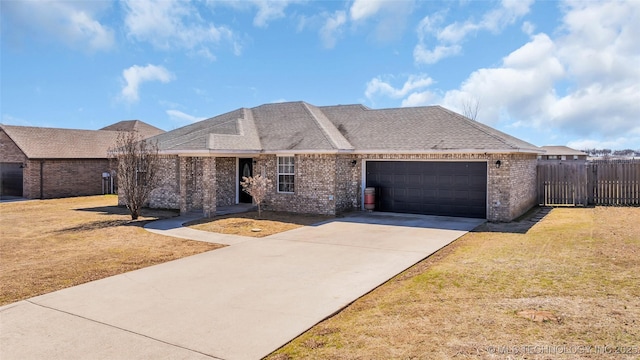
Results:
<point x="209" y="187"/>
<point x="182" y="184"/>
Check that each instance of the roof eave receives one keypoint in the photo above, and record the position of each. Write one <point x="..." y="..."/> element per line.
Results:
<point x="234" y="153"/>
<point x="448" y="151"/>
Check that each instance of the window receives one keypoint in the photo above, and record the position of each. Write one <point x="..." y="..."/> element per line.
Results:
<point x="286" y="174"/>
<point x="552" y="157"/>
<point x="575" y="157"/>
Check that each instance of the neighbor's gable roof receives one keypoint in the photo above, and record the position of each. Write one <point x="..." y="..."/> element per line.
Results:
<point x="145" y="130"/>
<point x="56" y="143"/>
<point x="52" y="143"/>
<point x="302" y="127"/>
<point x="562" y="150"/>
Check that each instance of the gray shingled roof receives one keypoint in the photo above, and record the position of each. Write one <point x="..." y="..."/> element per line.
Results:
<point x="429" y="128"/>
<point x="56" y="143"/>
<point x="301" y="127"/>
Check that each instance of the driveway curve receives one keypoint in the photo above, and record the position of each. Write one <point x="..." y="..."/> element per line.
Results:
<point x="239" y="302"/>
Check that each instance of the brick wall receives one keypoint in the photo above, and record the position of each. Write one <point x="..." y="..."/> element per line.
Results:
<point x="348" y="184"/>
<point x="330" y="184"/>
<point x="512" y="187"/>
<point x="225" y="181"/>
<point x="9" y="151"/>
<point x="314" y="184"/>
<point x="193" y="167"/>
<point x="523" y="175"/>
<point x="64" y="177"/>
<point x="167" y="195"/>
<point x="209" y="194"/>
<point x="187" y="183"/>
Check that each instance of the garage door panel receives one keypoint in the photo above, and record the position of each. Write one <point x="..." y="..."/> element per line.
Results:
<point x="436" y="188"/>
<point x="11" y="178"/>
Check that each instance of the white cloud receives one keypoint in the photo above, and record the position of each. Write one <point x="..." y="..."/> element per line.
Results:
<point x="594" y="60"/>
<point x="362" y="9"/>
<point x="182" y="117"/>
<point x="269" y="10"/>
<point x="507" y="91"/>
<point x="583" y="81"/>
<point x="528" y="28"/>
<point x="425" y="56"/>
<point x="74" y="23"/>
<point x="136" y="75"/>
<point x="332" y="28"/>
<point x="450" y="37"/>
<point x="419" y="99"/>
<point x="620" y="143"/>
<point x="266" y="10"/>
<point x="414" y="84"/>
<point x="169" y="24"/>
<point x="390" y="17"/>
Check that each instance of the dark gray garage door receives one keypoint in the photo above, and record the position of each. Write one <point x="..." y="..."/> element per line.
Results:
<point x="11" y="177"/>
<point x="431" y="188"/>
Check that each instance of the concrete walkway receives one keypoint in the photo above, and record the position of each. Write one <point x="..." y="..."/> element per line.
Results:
<point x="239" y="302"/>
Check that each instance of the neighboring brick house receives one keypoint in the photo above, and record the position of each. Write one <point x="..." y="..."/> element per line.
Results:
<point x="42" y="163"/>
<point x="562" y="153"/>
<point x="425" y="160"/>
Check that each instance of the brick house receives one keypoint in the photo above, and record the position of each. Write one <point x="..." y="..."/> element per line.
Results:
<point x="425" y="160"/>
<point x="42" y="163"/>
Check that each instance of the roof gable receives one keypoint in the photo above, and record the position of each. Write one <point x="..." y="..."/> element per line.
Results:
<point x="145" y="130"/>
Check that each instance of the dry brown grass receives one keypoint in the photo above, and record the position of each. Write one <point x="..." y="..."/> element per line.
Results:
<point x="581" y="267"/>
<point x="53" y="244"/>
<point x="269" y="223"/>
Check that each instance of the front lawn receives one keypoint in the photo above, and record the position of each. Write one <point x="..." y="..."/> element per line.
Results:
<point x="578" y="269"/>
<point x="249" y="224"/>
<point x="47" y="245"/>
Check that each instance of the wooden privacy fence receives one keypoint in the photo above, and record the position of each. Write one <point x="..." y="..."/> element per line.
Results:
<point x="600" y="182"/>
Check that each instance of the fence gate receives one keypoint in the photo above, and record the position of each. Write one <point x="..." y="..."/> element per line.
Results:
<point x="562" y="184"/>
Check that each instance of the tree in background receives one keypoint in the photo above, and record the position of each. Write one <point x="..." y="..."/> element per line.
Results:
<point x="471" y="108"/>
<point x="258" y="187"/>
<point x="137" y="164"/>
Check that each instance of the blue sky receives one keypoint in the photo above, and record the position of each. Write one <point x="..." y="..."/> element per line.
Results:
<point x="551" y="73"/>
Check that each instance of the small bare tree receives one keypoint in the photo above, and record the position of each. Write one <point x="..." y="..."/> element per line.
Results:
<point x="136" y="163"/>
<point x="258" y="187"/>
<point x="470" y="108"/>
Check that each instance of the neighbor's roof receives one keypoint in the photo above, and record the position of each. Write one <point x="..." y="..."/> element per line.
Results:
<point x="302" y="127"/>
<point x="56" y="143"/>
<point x="562" y="150"/>
<point x="144" y="129"/>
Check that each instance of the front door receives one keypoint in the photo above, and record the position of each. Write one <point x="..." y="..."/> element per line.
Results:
<point x="245" y="167"/>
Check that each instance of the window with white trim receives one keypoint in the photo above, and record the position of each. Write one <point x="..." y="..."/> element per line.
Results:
<point x="286" y="174"/>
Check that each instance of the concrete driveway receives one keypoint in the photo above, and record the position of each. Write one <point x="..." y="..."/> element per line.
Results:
<point x="239" y="302"/>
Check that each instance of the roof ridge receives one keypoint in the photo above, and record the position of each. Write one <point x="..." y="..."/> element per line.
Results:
<point x="322" y="124"/>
